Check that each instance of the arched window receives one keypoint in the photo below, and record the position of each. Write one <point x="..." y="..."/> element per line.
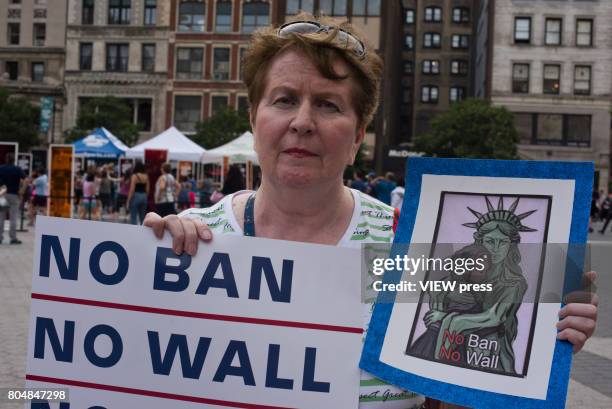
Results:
<point x="223" y="19"/>
<point x="192" y="15"/>
<point x="255" y="14"/>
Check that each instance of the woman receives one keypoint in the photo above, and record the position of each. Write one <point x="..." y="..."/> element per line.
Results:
<point x="312" y="90"/>
<point x="89" y="204"/>
<point x="166" y="189"/>
<point x="137" y="195"/>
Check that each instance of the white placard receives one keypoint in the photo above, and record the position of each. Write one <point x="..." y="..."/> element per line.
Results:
<point x="123" y="322"/>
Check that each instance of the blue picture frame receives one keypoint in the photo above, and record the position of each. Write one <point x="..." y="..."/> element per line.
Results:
<point x="582" y="174"/>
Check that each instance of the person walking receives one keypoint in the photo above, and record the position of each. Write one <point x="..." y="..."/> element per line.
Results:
<point x="137" y="195"/>
<point x="166" y="189"/>
<point x="11" y="177"/>
<point x="41" y="191"/>
<point x="606" y="212"/>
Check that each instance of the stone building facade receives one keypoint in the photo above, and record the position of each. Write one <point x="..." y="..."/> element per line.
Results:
<point x="32" y="50"/>
<point x="550" y="66"/>
<point x="119" y="48"/>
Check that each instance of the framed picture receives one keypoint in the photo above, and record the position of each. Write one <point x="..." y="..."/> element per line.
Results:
<point x="494" y="344"/>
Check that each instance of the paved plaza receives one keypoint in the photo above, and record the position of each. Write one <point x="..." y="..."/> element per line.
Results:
<point x="591" y="385"/>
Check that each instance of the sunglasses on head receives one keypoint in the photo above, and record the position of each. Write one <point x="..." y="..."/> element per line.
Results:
<point x="313" y="27"/>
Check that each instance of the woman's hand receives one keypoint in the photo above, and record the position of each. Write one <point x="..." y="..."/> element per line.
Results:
<point x="579" y="316"/>
<point x="433" y="316"/>
<point x="185" y="232"/>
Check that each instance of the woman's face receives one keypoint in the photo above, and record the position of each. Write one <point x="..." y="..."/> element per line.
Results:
<point x="305" y="127"/>
<point x="498" y="245"/>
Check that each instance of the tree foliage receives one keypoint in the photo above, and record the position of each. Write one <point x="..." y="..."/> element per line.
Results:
<point x="109" y="112"/>
<point x="471" y="129"/>
<point x="18" y="121"/>
<point x="225" y="125"/>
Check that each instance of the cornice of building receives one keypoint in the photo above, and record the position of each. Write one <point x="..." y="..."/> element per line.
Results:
<point x="595" y="102"/>
<point x="115" y="78"/>
<point x="33" y="50"/>
<point x="26" y="87"/>
<point x="116" y="31"/>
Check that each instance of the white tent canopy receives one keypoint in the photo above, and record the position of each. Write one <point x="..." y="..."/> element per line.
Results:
<point x="240" y="149"/>
<point x="179" y="147"/>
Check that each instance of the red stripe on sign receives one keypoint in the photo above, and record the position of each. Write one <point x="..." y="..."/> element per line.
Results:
<point x="153" y="394"/>
<point x="200" y="315"/>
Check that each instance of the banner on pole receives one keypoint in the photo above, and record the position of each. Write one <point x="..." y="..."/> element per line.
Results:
<point x="46" y="113"/>
<point x="122" y="321"/>
<point x="61" y="160"/>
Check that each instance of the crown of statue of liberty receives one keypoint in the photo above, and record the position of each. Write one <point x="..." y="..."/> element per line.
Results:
<point x="501" y="215"/>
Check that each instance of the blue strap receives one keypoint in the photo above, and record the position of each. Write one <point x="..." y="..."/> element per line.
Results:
<point x="249" y="216"/>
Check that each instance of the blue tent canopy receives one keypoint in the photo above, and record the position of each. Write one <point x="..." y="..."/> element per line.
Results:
<point x="100" y="144"/>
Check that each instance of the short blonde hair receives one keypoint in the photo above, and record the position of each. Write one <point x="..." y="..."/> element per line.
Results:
<point x="321" y="49"/>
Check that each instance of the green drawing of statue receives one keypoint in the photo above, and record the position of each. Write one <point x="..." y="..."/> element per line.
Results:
<point x="490" y="323"/>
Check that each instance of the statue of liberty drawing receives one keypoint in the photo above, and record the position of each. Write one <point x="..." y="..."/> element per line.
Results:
<point x="476" y="329"/>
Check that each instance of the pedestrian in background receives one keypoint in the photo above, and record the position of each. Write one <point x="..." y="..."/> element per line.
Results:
<point x="397" y="194"/>
<point x="137" y="195"/>
<point x="166" y="189"/>
<point x="11" y="178"/>
<point x="606" y="212"/>
<point x="384" y="187"/>
<point x="41" y="191"/>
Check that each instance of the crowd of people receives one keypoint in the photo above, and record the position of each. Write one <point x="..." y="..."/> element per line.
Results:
<point x="389" y="188"/>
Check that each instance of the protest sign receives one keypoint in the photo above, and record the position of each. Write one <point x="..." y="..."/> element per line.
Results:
<point x="61" y="159"/>
<point x="496" y="347"/>
<point x="122" y="321"/>
<point x="24" y="161"/>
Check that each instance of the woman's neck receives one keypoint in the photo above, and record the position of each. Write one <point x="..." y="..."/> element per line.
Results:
<point x="320" y="214"/>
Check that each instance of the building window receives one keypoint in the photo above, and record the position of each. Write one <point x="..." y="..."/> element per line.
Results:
<point x="456" y="94"/>
<point x="553" y="129"/>
<point x="332" y="7"/>
<point x="408" y="67"/>
<point x="12" y="69"/>
<point x="294" y="6"/>
<point x="522" y="30"/>
<point x="217" y="102"/>
<point x="433" y="14"/>
<point x="366" y="7"/>
<point x="221" y="63"/>
<point x="578" y="130"/>
<point x="523" y="123"/>
<point x="409" y="41"/>
<point x="15" y="2"/>
<point x="520" y="78"/>
<point x="223" y="19"/>
<point x="148" y="57"/>
<point x="461" y="15"/>
<point x="87" y="12"/>
<point x="429" y="94"/>
<point x="38" y="71"/>
<point x="584" y="32"/>
<point x="582" y="80"/>
<point x="243" y="104"/>
<point x="409" y="16"/>
<point x="144" y="111"/>
<point x="187" y="112"/>
<point x="189" y="63"/>
<point x="553" y="31"/>
<point x="119" y="11"/>
<point x="431" y="67"/>
<point x="255" y="15"/>
<point x="117" y="57"/>
<point x="459" y="67"/>
<point x="85" y="56"/>
<point x="192" y="16"/>
<point x="40" y="33"/>
<point x="150" y="12"/>
<point x="431" y="40"/>
<point x="460" y="41"/>
<point x="13" y="33"/>
<point x="40" y="13"/>
<point x="552" y="76"/>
